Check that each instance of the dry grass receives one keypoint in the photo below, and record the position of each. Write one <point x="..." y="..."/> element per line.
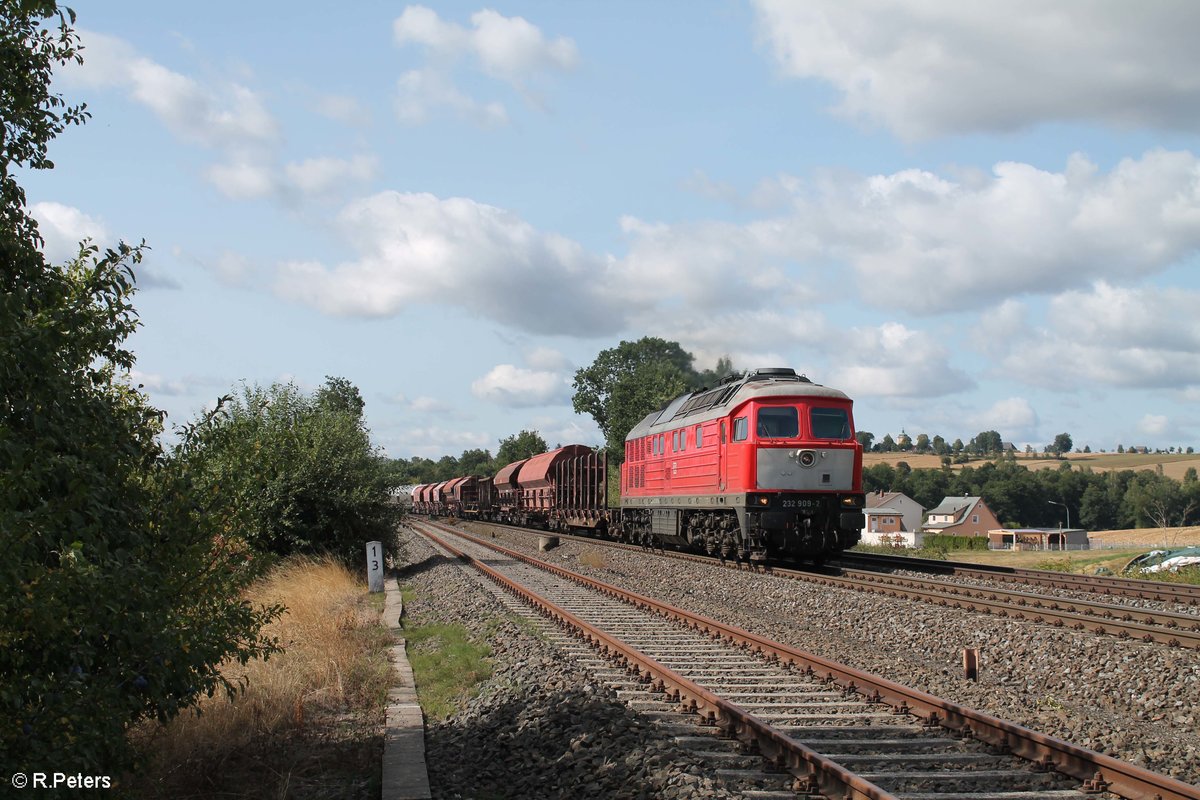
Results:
<point x="593" y="558"/>
<point x="308" y="715"/>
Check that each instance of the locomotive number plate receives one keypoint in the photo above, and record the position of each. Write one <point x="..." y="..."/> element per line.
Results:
<point x="802" y="503"/>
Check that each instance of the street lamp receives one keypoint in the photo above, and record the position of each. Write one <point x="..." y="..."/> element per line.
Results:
<point x="1068" y="509"/>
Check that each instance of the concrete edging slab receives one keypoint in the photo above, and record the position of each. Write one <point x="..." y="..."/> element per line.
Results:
<point x="405" y="776"/>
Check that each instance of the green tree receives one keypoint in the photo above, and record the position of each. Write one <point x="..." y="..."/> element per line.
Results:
<point x="525" y="444"/>
<point x="119" y="596"/>
<point x="1062" y="444"/>
<point x="476" y="462"/>
<point x="865" y="438"/>
<point x="923" y="445"/>
<point x="986" y="442"/>
<point x="888" y="445"/>
<point x="711" y="377"/>
<point x="299" y="470"/>
<point x="627" y="382"/>
<point x="1155" y="501"/>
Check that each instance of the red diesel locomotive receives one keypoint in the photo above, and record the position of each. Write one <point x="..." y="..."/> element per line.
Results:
<point x="764" y="465"/>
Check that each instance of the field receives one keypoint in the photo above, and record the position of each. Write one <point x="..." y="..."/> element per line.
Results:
<point x="1174" y="465"/>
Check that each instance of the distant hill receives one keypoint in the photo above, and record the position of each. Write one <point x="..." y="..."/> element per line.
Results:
<point x="1173" y="464"/>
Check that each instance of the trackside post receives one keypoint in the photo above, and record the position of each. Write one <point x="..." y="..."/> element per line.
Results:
<point x="375" y="566"/>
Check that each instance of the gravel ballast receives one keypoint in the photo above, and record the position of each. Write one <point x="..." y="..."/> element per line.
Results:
<point x="1134" y="701"/>
<point x="540" y="726"/>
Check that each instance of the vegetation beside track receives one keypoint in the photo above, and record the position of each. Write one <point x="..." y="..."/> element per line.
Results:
<point x="448" y="666"/>
<point x="310" y="721"/>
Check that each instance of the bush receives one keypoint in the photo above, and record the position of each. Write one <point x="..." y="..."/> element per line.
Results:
<point x="950" y="542"/>
<point x="117" y="601"/>
<point x="296" y="474"/>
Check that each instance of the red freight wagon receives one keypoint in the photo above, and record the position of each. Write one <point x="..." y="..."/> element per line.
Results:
<point x="563" y="488"/>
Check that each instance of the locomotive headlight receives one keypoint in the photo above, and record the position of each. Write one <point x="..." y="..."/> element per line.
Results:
<point x="850" y="501"/>
<point x="763" y="500"/>
<point x="807" y="458"/>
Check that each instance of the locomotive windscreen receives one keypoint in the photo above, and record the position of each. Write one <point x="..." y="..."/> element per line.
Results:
<point x="830" y="423"/>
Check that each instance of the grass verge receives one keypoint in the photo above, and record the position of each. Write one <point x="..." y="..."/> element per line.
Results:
<point x="309" y="724"/>
<point x="447" y="666"/>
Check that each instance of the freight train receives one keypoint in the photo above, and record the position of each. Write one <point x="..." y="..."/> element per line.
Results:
<point x="765" y="465"/>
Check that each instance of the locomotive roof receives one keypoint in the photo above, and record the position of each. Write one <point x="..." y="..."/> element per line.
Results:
<point x="708" y="404"/>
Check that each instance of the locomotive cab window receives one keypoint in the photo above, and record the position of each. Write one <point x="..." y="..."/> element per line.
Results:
<point x="830" y="423"/>
<point x="778" y="423"/>
<point x="741" y="429"/>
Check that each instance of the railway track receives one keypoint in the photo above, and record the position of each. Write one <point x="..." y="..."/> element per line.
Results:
<point x="1182" y="594"/>
<point x="836" y="731"/>
<point x="1169" y="628"/>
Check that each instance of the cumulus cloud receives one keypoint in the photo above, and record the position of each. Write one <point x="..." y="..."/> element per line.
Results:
<point x="435" y="441"/>
<point x="547" y="358"/>
<point x="422" y="404"/>
<point x="1014" y="417"/>
<point x="341" y="108"/>
<point x="1138" y="337"/>
<point x="940" y="243"/>
<point x="1154" y="425"/>
<point x="417" y="248"/>
<point x="931" y="68"/>
<point x="227" y="117"/>
<point x="421" y="91"/>
<point x="63" y="227"/>
<point x="943" y="245"/>
<point x="326" y="175"/>
<point x="517" y="387"/>
<point x="509" y="49"/>
<point x="575" y="430"/>
<point x="230" y="115"/>
<point x="892" y="360"/>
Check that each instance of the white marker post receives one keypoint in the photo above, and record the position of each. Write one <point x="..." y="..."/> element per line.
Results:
<point x="375" y="566"/>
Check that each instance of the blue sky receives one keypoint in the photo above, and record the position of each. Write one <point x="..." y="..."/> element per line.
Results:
<point x="968" y="216"/>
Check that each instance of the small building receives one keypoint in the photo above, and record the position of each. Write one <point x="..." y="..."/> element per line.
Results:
<point x="960" y="516"/>
<point x="892" y="518"/>
<point x="1038" y="539"/>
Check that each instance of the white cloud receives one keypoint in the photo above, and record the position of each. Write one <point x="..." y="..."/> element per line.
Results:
<point x="422" y="404"/>
<point x="509" y="49"/>
<point x="158" y="384"/>
<point x="228" y="116"/>
<point x="1013" y="417"/>
<point x="576" y="430"/>
<point x="316" y="176"/>
<point x="341" y="108"/>
<point x="417" y="248"/>
<point x="516" y="387"/>
<point x="547" y="358"/>
<point x="945" y="246"/>
<point x="934" y="244"/>
<point x="243" y="180"/>
<point x="433" y="442"/>
<point x="894" y="361"/>
<point x="1154" y="425"/>
<point x="64" y="227"/>
<point x="420" y="92"/>
<point x="928" y="68"/>
<point x="1146" y="338"/>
